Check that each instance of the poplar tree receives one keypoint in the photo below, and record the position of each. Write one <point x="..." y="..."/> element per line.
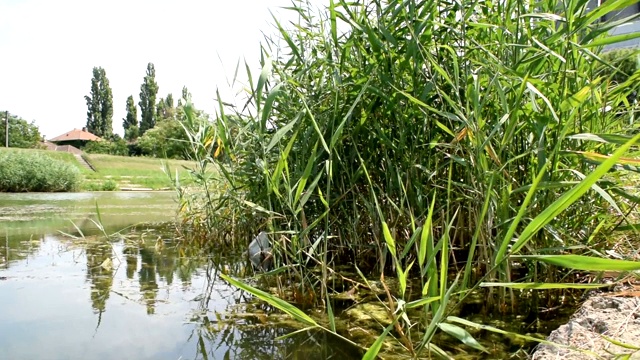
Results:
<point x="100" y="105"/>
<point x="148" y="93"/>
<point x="165" y="109"/>
<point x="130" y="123"/>
<point x="106" y="106"/>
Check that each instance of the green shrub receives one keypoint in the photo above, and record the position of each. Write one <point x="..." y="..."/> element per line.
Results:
<point x="623" y="63"/>
<point x="36" y="172"/>
<point x="168" y="138"/>
<point x="115" y="147"/>
<point x="109" y="185"/>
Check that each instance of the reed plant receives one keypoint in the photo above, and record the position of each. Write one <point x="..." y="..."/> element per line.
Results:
<point x="440" y="142"/>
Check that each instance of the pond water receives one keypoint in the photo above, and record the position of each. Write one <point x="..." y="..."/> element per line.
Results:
<point x="134" y="295"/>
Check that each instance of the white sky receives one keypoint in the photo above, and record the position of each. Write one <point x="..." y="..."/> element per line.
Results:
<point x="49" y="48"/>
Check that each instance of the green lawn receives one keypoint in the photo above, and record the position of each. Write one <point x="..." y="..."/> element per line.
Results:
<point x="131" y="172"/>
<point x="118" y="172"/>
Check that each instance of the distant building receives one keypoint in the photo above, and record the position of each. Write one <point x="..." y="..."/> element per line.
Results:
<point x="75" y="137"/>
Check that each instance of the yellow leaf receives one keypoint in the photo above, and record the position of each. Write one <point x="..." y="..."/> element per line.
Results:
<point x="218" y="150"/>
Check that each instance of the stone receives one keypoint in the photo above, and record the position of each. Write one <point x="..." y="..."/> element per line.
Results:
<point x="599" y="318"/>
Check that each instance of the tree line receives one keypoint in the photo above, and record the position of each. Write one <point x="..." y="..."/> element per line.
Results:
<point x="100" y="106"/>
<point x="22" y="134"/>
<point x="157" y="131"/>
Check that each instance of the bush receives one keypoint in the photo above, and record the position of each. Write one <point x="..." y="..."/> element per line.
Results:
<point x="624" y="62"/>
<point x="26" y="171"/>
<point x="166" y="140"/>
<point x="115" y="147"/>
<point x="108" y="185"/>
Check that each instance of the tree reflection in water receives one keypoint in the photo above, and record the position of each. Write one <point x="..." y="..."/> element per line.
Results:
<point x="258" y="342"/>
<point x="137" y="269"/>
<point x="243" y="331"/>
<point x="99" y="274"/>
<point x="147" y="279"/>
<point x="151" y="263"/>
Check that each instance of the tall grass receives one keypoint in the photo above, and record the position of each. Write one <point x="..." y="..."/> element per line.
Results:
<point x="423" y="138"/>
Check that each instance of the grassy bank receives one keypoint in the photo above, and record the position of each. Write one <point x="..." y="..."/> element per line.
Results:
<point x="131" y="172"/>
<point x="56" y="155"/>
<point x="456" y="147"/>
<point x="114" y="172"/>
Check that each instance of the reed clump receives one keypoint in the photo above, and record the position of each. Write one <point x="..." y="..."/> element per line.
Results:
<point x="415" y="139"/>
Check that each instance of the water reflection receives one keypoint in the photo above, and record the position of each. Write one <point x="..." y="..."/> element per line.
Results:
<point x="99" y="273"/>
<point x="256" y="343"/>
<point x="43" y="213"/>
<point x="139" y="296"/>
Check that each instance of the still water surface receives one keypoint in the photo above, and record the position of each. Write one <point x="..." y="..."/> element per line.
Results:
<point x="135" y="295"/>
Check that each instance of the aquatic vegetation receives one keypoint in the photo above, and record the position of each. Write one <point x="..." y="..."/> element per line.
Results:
<point x="467" y="145"/>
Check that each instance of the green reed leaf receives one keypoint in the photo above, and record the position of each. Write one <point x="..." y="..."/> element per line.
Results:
<point x="462" y="335"/>
<point x="570" y="196"/>
<point x="618" y="139"/>
<point x="427" y="234"/>
<point x="374" y="349"/>
<point x="273" y="300"/>
<point x="391" y="244"/>
<point x="542" y="286"/>
<point x="589" y="263"/>
<point x="612" y="39"/>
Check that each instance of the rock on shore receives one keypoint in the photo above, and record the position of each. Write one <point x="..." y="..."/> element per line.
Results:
<point x="599" y="318"/>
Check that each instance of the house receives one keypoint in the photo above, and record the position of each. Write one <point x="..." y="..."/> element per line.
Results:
<point x="76" y="138"/>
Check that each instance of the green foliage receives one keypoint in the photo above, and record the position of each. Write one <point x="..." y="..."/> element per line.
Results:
<point x="148" y="93"/>
<point x="169" y="139"/>
<point x="132" y="133"/>
<point x="130" y="123"/>
<point x="620" y="64"/>
<point x="114" y="147"/>
<point x="165" y="110"/>
<point x="107" y="185"/>
<point x="422" y="107"/>
<point x="21" y="133"/>
<point x="163" y="141"/>
<point x="37" y="172"/>
<point x="186" y="95"/>
<point x="100" y="105"/>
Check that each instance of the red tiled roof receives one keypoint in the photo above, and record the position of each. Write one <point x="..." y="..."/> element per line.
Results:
<point x="76" y="134"/>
